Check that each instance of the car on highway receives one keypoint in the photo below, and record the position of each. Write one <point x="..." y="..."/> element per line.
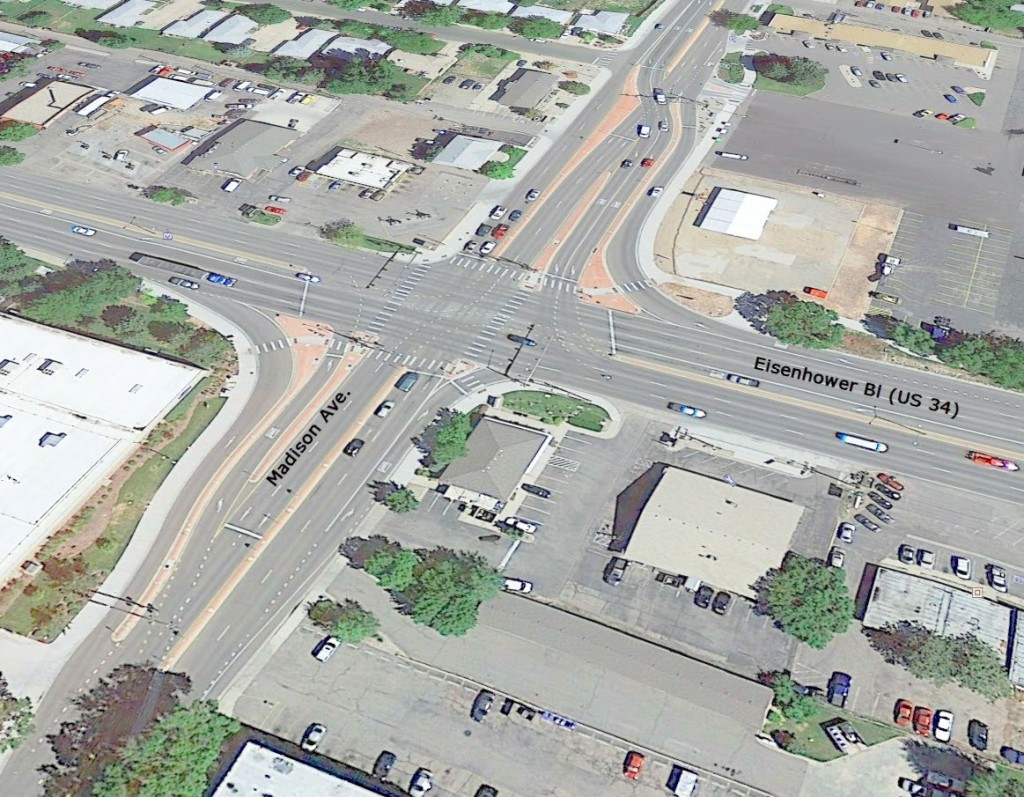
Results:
<point x="533" y="489"/>
<point x="305" y="276"/>
<point x="421" y="783"/>
<point x="515" y="215"/>
<point x="500" y="231"/>
<point x="184" y="283"/>
<point x="325" y="648"/>
<point x="382" y="766"/>
<point x="275" y="210"/>
<point x="977" y="735"/>
<point x="736" y="156"/>
<point x="532" y="194"/>
<point x="626" y="164"/>
<point x="220" y="279"/>
<point x="866" y="523"/>
<point x="743" y="380"/>
<point x="901" y="77"/>
<point x="907" y="554"/>
<point x="522" y="341"/>
<point x="845" y="532"/>
<point x="878" y="499"/>
<point x="685" y="409"/>
<point x="1012" y="755"/>
<point x="498" y="211"/>
<point x="643" y="131"/>
<point x="655" y="190"/>
<point x="925" y="558"/>
<point x="961" y="567"/>
<point x="979" y="458"/>
<point x="487" y="247"/>
<point x="647" y="163"/>
<point x="481" y="705"/>
<point x="87" y="231"/>
<point x="722" y="603"/>
<point x="923" y="720"/>
<point x="856" y="71"/>
<point x="836" y="557"/>
<point x="880" y="513"/>
<point x="633" y="765"/>
<point x="996" y="577"/>
<point x="924" y="112"/>
<point x="354" y="446"/>
<point x="950" y="98"/>
<point x="384" y="409"/>
<point x="889" y="482"/>
<point x="313" y="736"/>
<point x="943" y="730"/>
<point x="663" y="126"/>
<point x="904" y="713"/>
<point x="517" y="585"/>
<point x="614" y="571"/>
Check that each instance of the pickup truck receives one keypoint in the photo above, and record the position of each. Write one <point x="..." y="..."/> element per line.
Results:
<point x="839" y="689"/>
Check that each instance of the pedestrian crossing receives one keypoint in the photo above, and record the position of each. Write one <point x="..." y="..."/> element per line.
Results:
<point x="397" y="295"/>
<point x="410" y="361"/>
<point x="554" y="283"/>
<point x="484" y="341"/>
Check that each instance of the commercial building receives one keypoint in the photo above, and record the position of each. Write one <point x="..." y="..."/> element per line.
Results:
<point x="45" y="104"/>
<point x="736" y="213"/>
<point x="525" y="88"/>
<point x="362" y="168"/>
<point x="172" y="93"/>
<point x="702" y="527"/>
<point x="72" y="409"/>
<point x="165" y="139"/>
<point x="12" y="43"/>
<point x="466" y="152"/>
<point x="243" y="149"/>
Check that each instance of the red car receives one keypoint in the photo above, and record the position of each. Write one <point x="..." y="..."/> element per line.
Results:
<point x="923" y="720"/>
<point x="647" y="163"/>
<point x="303" y="176"/>
<point x="633" y="765"/>
<point x="904" y="713"/>
<point x="500" y="230"/>
<point x="942" y="117"/>
<point x="278" y="211"/>
<point x="994" y="462"/>
<point x="889" y="482"/>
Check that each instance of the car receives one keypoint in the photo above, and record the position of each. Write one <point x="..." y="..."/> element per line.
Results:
<point x="874" y="84"/>
<point x="685" y="409"/>
<point x="904" y="713"/>
<point x="927" y="34"/>
<point x="659" y="26"/>
<point x="533" y="489"/>
<point x="856" y="71"/>
<point x="614" y="571"/>
<point x="470" y="246"/>
<point x="901" y="77"/>
<point x="313" y="736"/>
<point x="467" y="84"/>
<point x="483" y="230"/>
<point x="925" y="558"/>
<point x="907" y="554"/>
<point x="487" y="247"/>
<point x="517" y="585"/>
<point x="307" y="277"/>
<point x="295" y="171"/>
<point x="702" y="597"/>
<point x="500" y="231"/>
<point x="385" y="408"/>
<point x="282" y="199"/>
<point x="950" y="98"/>
<point x="486" y="791"/>
<point x="743" y="380"/>
<point x="996" y="578"/>
<point x="335" y="186"/>
<point x="961" y="567"/>
<point x="481" y="705"/>
<point x="890" y="76"/>
<point x="1012" y="755"/>
<point x="522" y="524"/>
<point x="382" y="766"/>
<point x="216" y="94"/>
<point x="923" y="720"/>
<point x="354" y="446"/>
<point x="626" y="164"/>
<point x="878" y="75"/>
<point x="811" y="45"/>
<point x="498" y="211"/>
<point x="633" y="765"/>
<point x="722" y="603"/>
<point x="866" y="523"/>
<point x="449" y="80"/>
<point x="184" y="283"/>
<point x="924" y="112"/>
<point x="87" y="231"/>
<point x="275" y="210"/>
<point x="515" y="215"/>
<point x="521" y="340"/>
<point x="889" y="482"/>
<point x="836" y="557"/>
<point x="421" y="783"/>
<point x="957" y="117"/>
<point x="88" y="65"/>
<point x="880" y="513"/>
<point x="478" y="86"/>
<point x="663" y="126"/>
<point x="885" y="56"/>
<point x="647" y="163"/>
<point x="655" y="190"/>
<point x="882" y="502"/>
<point x="914" y="787"/>
<point x="305" y="175"/>
<point x="958" y="89"/>
<point x="220" y="279"/>
<point x="294" y="98"/>
<point x="841" y="49"/>
<point x="532" y="194"/>
<point x="942" y="117"/>
<point x="977" y="735"/>
<point x="943" y="730"/>
<point x="845" y="532"/>
<point x="994" y="462"/>
<point x="325" y="649"/>
<point x="892" y="495"/>
<point x="937" y="35"/>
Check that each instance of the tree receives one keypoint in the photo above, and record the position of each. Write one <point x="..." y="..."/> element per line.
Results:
<point x="369" y="77"/>
<point x="485" y="21"/>
<point x="535" y="27"/>
<point x="402" y="500"/>
<point x="574" y="87"/>
<point x="449" y="439"/>
<point x="264" y="13"/>
<point x="448" y="590"/>
<point x="394" y="570"/>
<point x="721" y="17"/>
<point x="999" y="782"/>
<point x="117" y="315"/>
<point x="498" y="170"/>
<point x="793" y="705"/>
<point x="994" y="14"/>
<point x="432" y="14"/>
<point x="743" y="23"/>
<point x="283" y="69"/>
<point x="17" y="131"/>
<point x="796" y="70"/>
<point x="9" y="156"/>
<point x="348" y="5"/>
<point x="16" y="718"/>
<point x="913" y="338"/>
<point x="808" y="600"/>
<point x="344" y="233"/>
<point x="114" y="40"/>
<point x="348" y="621"/>
<point x="998" y="358"/>
<point x="805" y="324"/>
<point x="172" y="196"/>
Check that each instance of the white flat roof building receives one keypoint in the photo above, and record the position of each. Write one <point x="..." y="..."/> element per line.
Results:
<point x="306" y="45"/>
<point x="737" y="213"/>
<point x="488" y="6"/>
<point x="466" y="152"/>
<point x="173" y="93"/>
<point x="196" y="25"/>
<point x="233" y="30"/>
<point x="362" y="168"/>
<point x="557" y="15"/>
<point x="128" y="15"/>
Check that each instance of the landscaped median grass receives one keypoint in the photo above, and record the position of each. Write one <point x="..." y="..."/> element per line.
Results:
<point x="554" y="408"/>
<point x="730" y="69"/>
<point x="262" y="217"/>
<point x="969" y="123"/>
<point x="811" y="741"/>
<point x="767" y="84"/>
<point x="977" y="97"/>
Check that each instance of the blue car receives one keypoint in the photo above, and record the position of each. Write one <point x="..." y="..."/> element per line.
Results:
<point x="693" y="412"/>
<point x="522" y="341"/>
<point x="220" y="279"/>
<point x="958" y="89"/>
<point x="950" y="98"/>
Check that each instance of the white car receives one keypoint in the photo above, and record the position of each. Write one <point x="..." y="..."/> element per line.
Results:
<point x="276" y="198"/>
<point x="295" y="171"/>
<point x="845" y="532"/>
<point x="901" y="77"/>
<point x="326" y="648"/>
<point x="313" y="736"/>
<point x="421" y="783"/>
<point x="83" y="230"/>
<point x="498" y="212"/>
<point x="925" y="558"/>
<point x="997" y="578"/>
<point x="943" y="725"/>
<point x="521" y="524"/>
<point x="383" y="410"/>
<point x="518" y="585"/>
<point x="961" y="567"/>
<point x="836" y="558"/>
<point x="656" y="190"/>
<point x="855" y="71"/>
<point x="216" y="94"/>
<point x="487" y="247"/>
<point x="885" y="56"/>
<point x="307" y="277"/>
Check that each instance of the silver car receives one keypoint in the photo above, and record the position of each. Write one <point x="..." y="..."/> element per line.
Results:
<point x="961" y="567"/>
<point x="313" y="736"/>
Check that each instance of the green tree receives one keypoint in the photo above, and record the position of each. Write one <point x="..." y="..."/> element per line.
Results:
<point x="394" y="570"/>
<point x="804" y="324"/>
<point x="403" y="500"/>
<point x="998" y="358"/>
<point x="411" y="41"/>
<point x="994" y="14"/>
<point x="448" y="590"/>
<point x="450" y="439"/>
<point x="114" y="40"/>
<point x="16" y="718"/>
<point x="535" y="27"/>
<point x="344" y="233"/>
<point x="999" y="782"/>
<point x="808" y="600"/>
<point x="491" y="51"/>
<point x="381" y="78"/>
<point x="485" y="21"/>
<point x="348" y="621"/>
<point x="9" y="156"/>
<point x="442" y="16"/>
<point x="796" y="70"/>
<point x="792" y="704"/>
<point x="283" y="69"/>
<point x="348" y="5"/>
<point x="574" y="87"/>
<point x="913" y="338"/>
<point x="498" y="170"/>
<point x="17" y="131"/>
<point x="264" y="13"/>
<point x="173" y="196"/>
<point x="743" y="23"/>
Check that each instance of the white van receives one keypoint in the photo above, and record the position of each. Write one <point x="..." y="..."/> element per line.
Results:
<point x="643" y="131"/>
<point x="862" y="442"/>
<point x="733" y="155"/>
<point x="231" y="185"/>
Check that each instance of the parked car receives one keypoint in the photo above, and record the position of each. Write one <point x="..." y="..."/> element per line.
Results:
<point x="879" y="513"/>
<point x="722" y="603"/>
<point x="540" y="492"/>
<point x="469" y="247"/>
<point x="856" y="71"/>
<point x="924" y="112"/>
<point x="996" y="578"/>
<point x="313" y="736"/>
<point x="977" y="734"/>
<point x="487" y="247"/>
<point x="943" y="730"/>
<point x="486" y="791"/>
<point x="498" y="211"/>
<point x="892" y="495"/>
<point x="382" y="766"/>
<point x="923" y="720"/>
<point x="335" y="186"/>
<point x="878" y="75"/>
<point x="874" y="84"/>
<point x="449" y="80"/>
<point x="522" y="524"/>
<point x="481" y="705"/>
<point x="958" y="89"/>
<point x="295" y="171"/>
<point x="615" y="570"/>
<point x="467" y="84"/>
<point x="885" y="56"/>
<point x="904" y="713"/>
<point x="866" y="523"/>
<point x="633" y="765"/>
<point x="925" y="558"/>
<point x="421" y="782"/>
<point x="885" y="503"/>
<point x="1012" y="755"/>
<point x="957" y="117"/>
<point x="500" y="231"/>
<point x="702" y="597"/>
<point x="517" y="585"/>
<point x="942" y="117"/>
<point x="845" y="532"/>
<point x="961" y="567"/>
<point x="901" y="77"/>
<point x="950" y="98"/>
<point x="907" y="554"/>
<point x="836" y="557"/>
<point x="325" y="649"/>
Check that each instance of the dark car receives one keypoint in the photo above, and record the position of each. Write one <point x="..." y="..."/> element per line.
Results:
<point x="467" y="84"/>
<point x="892" y="495"/>
<point x="977" y="734"/>
<point x="878" y="75"/>
<point x="515" y="215"/>
<point x="481" y="705"/>
<point x="354" y="447"/>
<point x="937" y="35"/>
<point x="722" y="603"/>
<point x="521" y="340"/>
<point x="382" y="766"/>
<point x="927" y="34"/>
<point x="486" y="791"/>
<point x="614" y="571"/>
<point x="1012" y="755"/>
<point x="540" y="492"/>
<point x="882" y="502"/>
<point x="702" y="597"/>
<point x="879" y="513"/>
<point x="891" y="77"/>
<point x="866" y="523"/>
<point x="478" y="86"/>
<point x="449" y="80"/>
<point x="484" y="230"/>
<point x="874" y="84"/>
<point x="907" y="554"/>
<point x="627" y="163"/>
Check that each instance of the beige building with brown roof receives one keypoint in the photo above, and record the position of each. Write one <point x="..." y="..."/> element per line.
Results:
<point x="46" y="103"/>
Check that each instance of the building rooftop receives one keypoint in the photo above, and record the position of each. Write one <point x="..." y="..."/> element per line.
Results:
<point x="736" y="213"/>
<point x="695" y="525"/>
<point x="465" y="152"/>
<point x="11" y="42"/>
<point x="362" y="168"/>
<point x="173" y="93"/>
<point x="244" y="148"/>
<point x="344" y="46"/>
<point x="167" y="139"/>
<point x="610" y="22"/>
<point x="196" y="25"/>
<point x="488" y="6"/>
<point x="128" y="15"/>
<point x="233" y="30"/>
<point x="46" y="102"/>
<point x="525" y="88"/>
<point x="499" y="453"/>
<point x="306" y="45"/>
<point x="558" y="15"/>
